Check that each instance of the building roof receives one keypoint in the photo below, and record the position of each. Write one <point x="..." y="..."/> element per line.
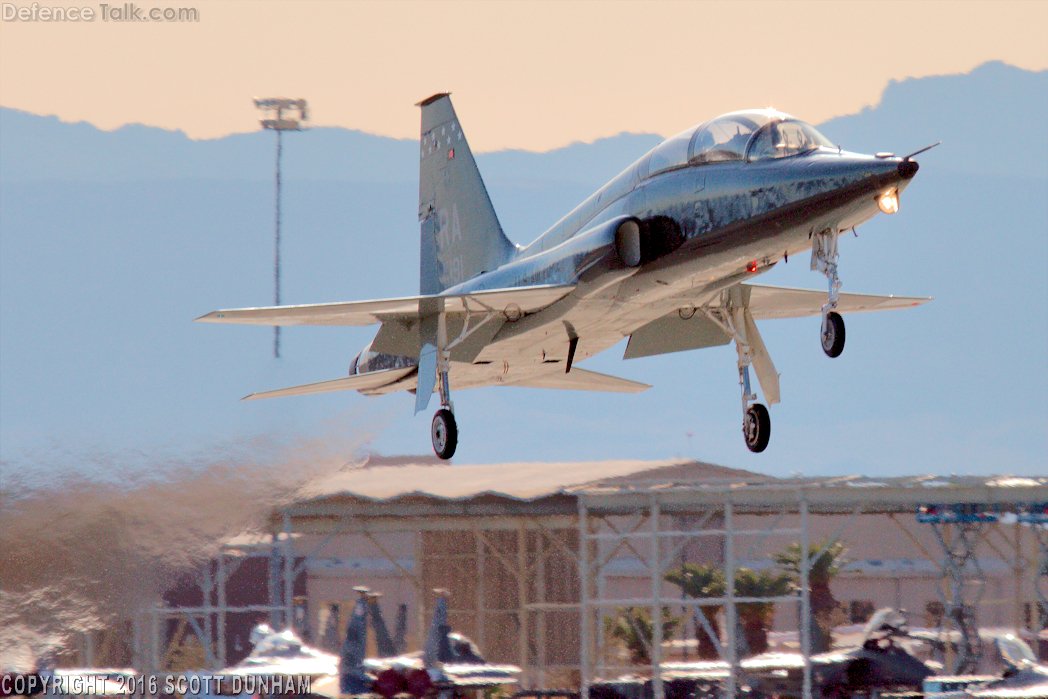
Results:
<point x="822" y="495"/>
<point x="422" y="489"/>
<point x="520" y="481"/>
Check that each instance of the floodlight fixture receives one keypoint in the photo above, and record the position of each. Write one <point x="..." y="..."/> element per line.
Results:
<point x="278" y="105"/>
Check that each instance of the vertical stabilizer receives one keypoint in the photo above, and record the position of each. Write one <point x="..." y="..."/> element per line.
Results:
<point x="438" y="647"/>
<point x="352" y="678"/>
<point x="400" y="632"/>
<point x="461" y="235"/>
<point x="383" y="642"/>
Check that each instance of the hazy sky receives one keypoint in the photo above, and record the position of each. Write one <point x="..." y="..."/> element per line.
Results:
<point x="532" y="75"/>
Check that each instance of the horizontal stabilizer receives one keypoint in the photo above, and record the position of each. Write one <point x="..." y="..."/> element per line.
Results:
<point x="513" y="302"/>
<point x="372" y="379"/>
<point x="582" y="380"/>
<point x="781" y="302"/>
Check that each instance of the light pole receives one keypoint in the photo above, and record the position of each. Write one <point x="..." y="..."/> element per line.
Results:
<point x="275" y="107"/>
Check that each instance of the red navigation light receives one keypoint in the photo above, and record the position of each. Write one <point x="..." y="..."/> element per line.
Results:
<point x="752" y="267"/>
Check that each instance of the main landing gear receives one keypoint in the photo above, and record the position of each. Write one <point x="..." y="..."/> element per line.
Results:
<point x="832" y="334"/>
<point x="444" y="430"/>
<point x="756" y="422"/>
<point x="756" y="427"/>
<point x="824" y="259"/>
<point x="735" y="319"/>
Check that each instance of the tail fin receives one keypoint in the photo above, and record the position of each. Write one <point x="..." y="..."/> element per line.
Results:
<point x="401" y="630"/>
<point x="352" y="678"/>
<point x="438" y="647"/>
<point x="383" y="642"/>
<point x="461" y="235"/>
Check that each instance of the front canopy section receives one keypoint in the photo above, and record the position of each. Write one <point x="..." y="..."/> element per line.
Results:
<point x="755" y="134"/>
<point x="759" y="134"/>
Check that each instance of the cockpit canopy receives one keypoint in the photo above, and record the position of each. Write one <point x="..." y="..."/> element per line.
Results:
<point x="748" y="135"/>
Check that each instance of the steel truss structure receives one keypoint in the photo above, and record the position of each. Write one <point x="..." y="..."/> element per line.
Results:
<point x="646" y="533"/>
<point x="534" y="578"/>
<point x="634" y="517"/>
<point x="163" y="633"/>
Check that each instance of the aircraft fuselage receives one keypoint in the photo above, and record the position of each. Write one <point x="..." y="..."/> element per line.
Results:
<point x="731" y="220"/>
<point x="660" y="254"/>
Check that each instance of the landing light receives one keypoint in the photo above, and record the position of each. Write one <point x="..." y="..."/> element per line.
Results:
<point x="889" y="201"/>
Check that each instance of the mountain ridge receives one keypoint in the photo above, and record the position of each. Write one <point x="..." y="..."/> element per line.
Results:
<point x="100" y="280"/>
<point x="49" y="149"/>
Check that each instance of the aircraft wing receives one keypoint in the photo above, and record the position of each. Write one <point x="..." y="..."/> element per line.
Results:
<point x="781" y="302"/>
<point x="581" y="380"/>
<point x="370" y="380"/>
<point x="518" y="300"/>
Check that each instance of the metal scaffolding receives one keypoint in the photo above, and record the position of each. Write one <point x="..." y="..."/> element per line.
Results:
<point x="634" y="517"/>
<point x="535" y="566"/>
<point x="164" y="632"/>
<point x="642" y="532"/>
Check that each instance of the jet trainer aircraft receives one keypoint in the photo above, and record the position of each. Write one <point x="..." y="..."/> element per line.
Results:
<point x="662" y="254"/>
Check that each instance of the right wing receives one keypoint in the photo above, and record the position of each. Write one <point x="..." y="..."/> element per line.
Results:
<point x="510" y="301"/>
<point x="464" y="376"/>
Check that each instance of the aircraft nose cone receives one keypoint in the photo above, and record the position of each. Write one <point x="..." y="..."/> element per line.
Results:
<point x="908" y="168"/>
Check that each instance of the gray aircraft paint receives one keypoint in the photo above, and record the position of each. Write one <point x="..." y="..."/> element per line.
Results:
<point x="679" y="231"/>
<point x="730" y="213"/>
<point x="461" y="236"/>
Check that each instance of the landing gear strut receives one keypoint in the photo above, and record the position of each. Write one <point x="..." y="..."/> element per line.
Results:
<point x="444" y="430"/>
<point x="734" y="318"/>
<point x="824" y="259"/>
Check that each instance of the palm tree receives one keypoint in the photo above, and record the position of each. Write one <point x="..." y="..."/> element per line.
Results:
<point x="825" y="560"/>
<point x="635" y="631"/>
<point x="756" y="617"/>
<point x="702" y="581"/>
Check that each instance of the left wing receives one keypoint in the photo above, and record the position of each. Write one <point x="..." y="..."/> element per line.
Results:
<point x="465" y="376"/>
<point x="676" y="332"/>
<point x="780" y="302"/>
<point x="510" y="301"/>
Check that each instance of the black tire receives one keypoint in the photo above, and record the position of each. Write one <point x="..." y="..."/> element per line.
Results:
<point x="833" y="334"/>
<point x="444" y="433"/>
<point x="756" y="428"/>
